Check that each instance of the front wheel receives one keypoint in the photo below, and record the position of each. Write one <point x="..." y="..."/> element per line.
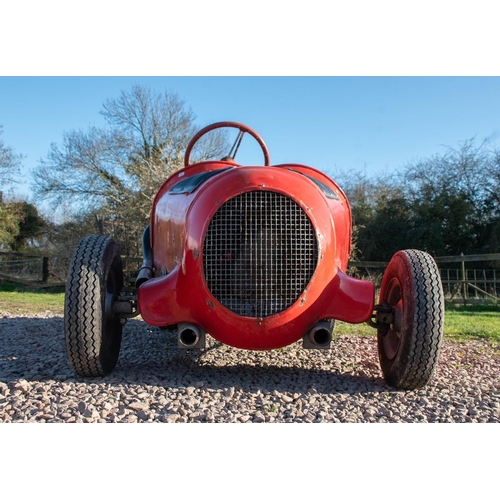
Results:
<point x="409" y="347"/>
<point x="93" y="331"/>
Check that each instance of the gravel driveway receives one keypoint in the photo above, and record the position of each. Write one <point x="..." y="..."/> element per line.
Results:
<point x="156" y="382"/>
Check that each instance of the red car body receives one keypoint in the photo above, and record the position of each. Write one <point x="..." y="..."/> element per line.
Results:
<point x="256" y="257"/>
<point x="179" y="224"/>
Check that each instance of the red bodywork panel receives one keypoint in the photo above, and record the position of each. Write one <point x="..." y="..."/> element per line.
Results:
<point x="180" y="220"/>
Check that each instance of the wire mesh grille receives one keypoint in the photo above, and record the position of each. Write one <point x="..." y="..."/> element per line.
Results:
<point x="260" y="253"/>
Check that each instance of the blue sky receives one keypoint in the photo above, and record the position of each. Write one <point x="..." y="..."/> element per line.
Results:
<point x="370" y="124"/>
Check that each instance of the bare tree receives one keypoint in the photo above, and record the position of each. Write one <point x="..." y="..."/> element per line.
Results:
<point x="450" y="195"/>
<point x="9" y="163"/>
<point x="446" y="205"/>
<point x="117" y="170"/>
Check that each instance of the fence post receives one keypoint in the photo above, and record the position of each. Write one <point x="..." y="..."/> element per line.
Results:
<point x="45" y="269"/>
<point x="464" y="281"/>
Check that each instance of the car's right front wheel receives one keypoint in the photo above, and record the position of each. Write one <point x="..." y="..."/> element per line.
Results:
<point x="409" y="347"/>
<point x="93" y="330"/>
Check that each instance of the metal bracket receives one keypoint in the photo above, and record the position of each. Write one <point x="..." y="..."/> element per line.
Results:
<point x="125" y="306"/>
<point x="383" y="318"/>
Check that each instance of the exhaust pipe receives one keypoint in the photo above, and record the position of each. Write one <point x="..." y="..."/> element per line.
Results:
<point x="146" y="271"/>
<point x="190" y="336"/>
<point x="318" y="337"/>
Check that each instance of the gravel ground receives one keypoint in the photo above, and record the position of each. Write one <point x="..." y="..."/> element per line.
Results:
<point x="156" y="382"/>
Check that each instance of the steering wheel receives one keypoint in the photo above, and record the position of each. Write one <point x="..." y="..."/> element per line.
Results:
<point x="242" y="130"/>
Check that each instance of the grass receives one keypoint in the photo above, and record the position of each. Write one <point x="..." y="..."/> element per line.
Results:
<point x="19" y="299"/>
<point x="469" y="322"/>
<point x="461" y="323"/>
<point x="479" y="321"/>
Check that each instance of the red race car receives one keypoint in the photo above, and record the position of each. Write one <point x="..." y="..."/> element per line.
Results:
<point x="255" y="256"/>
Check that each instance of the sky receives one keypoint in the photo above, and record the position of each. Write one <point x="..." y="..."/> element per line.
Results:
<point x="374" y="125"/>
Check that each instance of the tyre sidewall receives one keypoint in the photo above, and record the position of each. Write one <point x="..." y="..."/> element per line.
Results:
<point x="111" y="271"/>
<point x="399" y="267"/>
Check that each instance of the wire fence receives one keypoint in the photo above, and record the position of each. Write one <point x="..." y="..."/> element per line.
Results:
<point x="42" y="271"/>
<point x="33" y="270"/>
<point x="459" y="281"/>
<point x="22" y="268"/>
<point x="474" y="284"/>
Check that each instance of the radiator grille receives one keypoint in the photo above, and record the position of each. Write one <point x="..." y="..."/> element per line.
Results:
<point x="260" y="253"/>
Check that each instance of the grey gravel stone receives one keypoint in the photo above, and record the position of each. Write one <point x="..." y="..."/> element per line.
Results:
<point x="154" y="381"/>
<point x="229" y="392"/>
<point x="138" y="406"/>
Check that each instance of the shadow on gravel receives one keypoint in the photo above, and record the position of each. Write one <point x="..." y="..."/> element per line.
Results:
<point x="34" y="349"/>
<point x="266" y="379"/>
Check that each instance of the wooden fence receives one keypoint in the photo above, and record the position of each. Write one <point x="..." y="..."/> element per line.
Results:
<point x="45" y="271"/>
<point x="27" y="269"/>
<point x="459" y="280"/>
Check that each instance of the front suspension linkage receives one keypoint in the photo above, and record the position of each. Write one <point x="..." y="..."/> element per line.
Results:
<point x="382" y="318"/>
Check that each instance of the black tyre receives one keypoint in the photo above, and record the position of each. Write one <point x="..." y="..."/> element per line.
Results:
<point x="93" y="332"/>
<point x="409" y="349"/>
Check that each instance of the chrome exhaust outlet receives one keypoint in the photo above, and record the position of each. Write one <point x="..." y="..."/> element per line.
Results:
<point x="190" y="336"/>
<point x="318" y="337"/>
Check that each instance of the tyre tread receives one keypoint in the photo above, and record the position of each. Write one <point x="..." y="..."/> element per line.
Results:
<point x="83" y="309"/>
<point x="423" y="344"/>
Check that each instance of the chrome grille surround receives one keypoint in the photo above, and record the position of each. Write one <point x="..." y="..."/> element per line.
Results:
<point x="259" y="254"/>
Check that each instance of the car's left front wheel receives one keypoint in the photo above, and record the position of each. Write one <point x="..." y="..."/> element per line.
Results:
<point x="409" y="347"/>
